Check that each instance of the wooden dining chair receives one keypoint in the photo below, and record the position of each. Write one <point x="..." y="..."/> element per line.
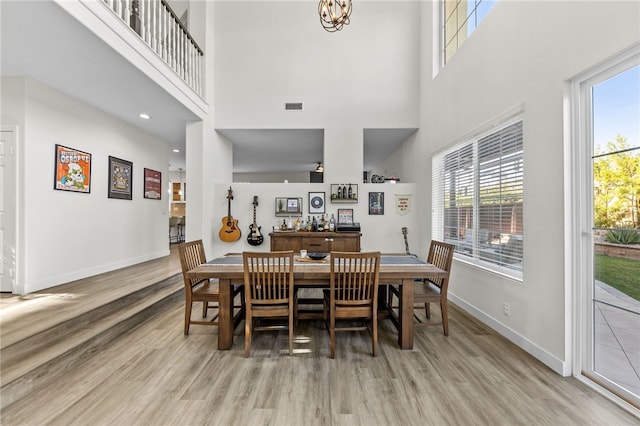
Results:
<point x="352" y="294"/>
<point x="268" y="282"/>
<point x="427" y="291"/>
<point x="203" y="290"/>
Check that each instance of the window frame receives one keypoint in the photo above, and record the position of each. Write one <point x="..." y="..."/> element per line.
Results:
<point x="439" y="189"/>
<point x="470" y="16"/>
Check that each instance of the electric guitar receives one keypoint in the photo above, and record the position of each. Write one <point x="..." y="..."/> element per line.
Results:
<point x="229" y="231"/>
<point x="255" y="238"/>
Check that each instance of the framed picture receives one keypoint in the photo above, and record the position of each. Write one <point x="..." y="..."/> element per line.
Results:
<point x="316" y="202"/>
<point x="376" y="203"/>
<point x="72" y="170"/>
<point x="345" y="216"/>
<point x="120" y="178"/>
<point x="288" y="206"/>
<point x="152" y="184"/>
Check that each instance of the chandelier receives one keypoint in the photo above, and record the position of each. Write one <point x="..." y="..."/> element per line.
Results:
<point x="334" y="14"/>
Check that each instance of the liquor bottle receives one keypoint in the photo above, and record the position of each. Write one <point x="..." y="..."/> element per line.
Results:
<point x="314" y="225"/>
<point x="339" y="192"/>
<point x="332" y="223"/>
<point x="297" y="224"/>
<point x="350" y="195"/>
<point x="309" y="224"/>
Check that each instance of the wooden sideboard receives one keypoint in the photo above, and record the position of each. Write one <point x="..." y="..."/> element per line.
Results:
<point x="315" y="241"/>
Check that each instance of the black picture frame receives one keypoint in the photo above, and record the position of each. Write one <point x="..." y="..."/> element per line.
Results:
<point x="120" y="179"/>
<point x="376" y="203"/>
<point x="345" y="216"/>
<point x="316" y="203"/>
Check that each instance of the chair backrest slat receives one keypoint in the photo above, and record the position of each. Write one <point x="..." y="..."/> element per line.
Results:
<point x="441" y="255"/>
<point x="354" y="277"/>
<point x="191" y="255"/>
<point x="268" y="276"/>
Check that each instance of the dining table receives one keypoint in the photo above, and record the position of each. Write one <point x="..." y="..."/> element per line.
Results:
<point x="395" y="269"/>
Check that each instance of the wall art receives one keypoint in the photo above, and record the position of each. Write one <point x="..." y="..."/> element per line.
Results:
<point x="288" y="206"/>
<point x="152" y="184"/>
<point x="120" y="178"/>
<point x="72" y="171"/>
<point x="316" y="202"/>
<point x="376" y="203"/>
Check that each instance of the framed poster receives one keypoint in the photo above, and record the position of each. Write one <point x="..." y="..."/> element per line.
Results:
<point x="345" y="216"/>
<point x="316" y="202"/>
<point x="288" y="206"/>
<point x="152" y="184"/>
<point x="376" y="203"/>
<point x="120" y="178"/>
<point x="72" y="170"/>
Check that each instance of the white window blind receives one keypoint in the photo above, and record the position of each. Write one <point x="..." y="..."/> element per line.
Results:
<point x="478" y="197"/>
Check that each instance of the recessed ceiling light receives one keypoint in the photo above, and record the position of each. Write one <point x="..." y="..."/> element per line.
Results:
<point x="175" y="150"/>
<point x="144" y="116"/>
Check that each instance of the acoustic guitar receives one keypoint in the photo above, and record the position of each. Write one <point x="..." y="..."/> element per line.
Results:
<point x="255" y="238"/>
<point x="229" y="231"/>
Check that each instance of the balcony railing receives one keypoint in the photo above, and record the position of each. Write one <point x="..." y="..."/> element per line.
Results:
<point x="161" y="29"/>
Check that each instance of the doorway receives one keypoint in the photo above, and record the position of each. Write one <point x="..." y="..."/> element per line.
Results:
<point x="7" y="211"/>
<point x="607" y="212"/>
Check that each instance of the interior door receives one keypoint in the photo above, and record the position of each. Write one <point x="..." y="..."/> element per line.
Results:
<point x="7" y="211"/>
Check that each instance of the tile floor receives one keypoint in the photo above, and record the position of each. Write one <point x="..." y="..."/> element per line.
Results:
<point x="617" y="337"/>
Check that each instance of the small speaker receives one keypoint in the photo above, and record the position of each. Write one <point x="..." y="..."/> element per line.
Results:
<point x="316" y="177"/>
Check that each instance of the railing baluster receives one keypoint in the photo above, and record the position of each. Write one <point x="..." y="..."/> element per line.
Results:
<point x="160" y="28"/>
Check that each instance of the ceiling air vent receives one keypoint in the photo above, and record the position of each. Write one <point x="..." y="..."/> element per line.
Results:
<point x="293" y="106"/>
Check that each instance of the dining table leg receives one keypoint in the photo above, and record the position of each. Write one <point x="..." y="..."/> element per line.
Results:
<point x="405" y="333"/>
<point x="225" y="315"/>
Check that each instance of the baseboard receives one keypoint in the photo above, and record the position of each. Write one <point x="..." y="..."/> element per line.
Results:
<point x="89" y="272"/>
<point x="559" y="366"/>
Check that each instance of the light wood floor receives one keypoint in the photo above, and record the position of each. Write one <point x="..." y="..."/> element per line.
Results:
<point x="154" y="375"/>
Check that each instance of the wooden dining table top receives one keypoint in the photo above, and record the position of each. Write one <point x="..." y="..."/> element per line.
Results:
<point x="392" y="266"/>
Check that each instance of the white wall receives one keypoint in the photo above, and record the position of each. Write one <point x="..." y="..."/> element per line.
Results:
<point x="366" y="76"/>
<point x="269" y="53"/>
<point x="522" y="54"/>
<point x="379" y="232"/>
<point x="66" y="236"/>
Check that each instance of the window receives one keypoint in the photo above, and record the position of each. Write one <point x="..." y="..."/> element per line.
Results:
<point x="459" y="18"/>
<point x="478" y="196"/>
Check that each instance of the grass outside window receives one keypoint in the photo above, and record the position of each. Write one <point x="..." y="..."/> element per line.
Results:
<point x="621" y="274"/>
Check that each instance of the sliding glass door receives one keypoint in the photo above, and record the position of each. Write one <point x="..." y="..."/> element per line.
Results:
<point x="608" y="249"/>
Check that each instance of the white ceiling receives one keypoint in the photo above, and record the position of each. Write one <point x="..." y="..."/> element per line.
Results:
<point x="57" y="50"/>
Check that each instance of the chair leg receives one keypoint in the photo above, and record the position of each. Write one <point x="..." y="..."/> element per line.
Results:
<point x="332" y="335"/>
<point x="187" y="317"/>
<point x="295" y="306"/>
<point x="445" y="317"/>
<point x="205" y="307"/>
<point x="374" y="334"/>
<point x="427" y="309"/>
<point x="291" y="333"/>
<point x="247" y="335"/>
